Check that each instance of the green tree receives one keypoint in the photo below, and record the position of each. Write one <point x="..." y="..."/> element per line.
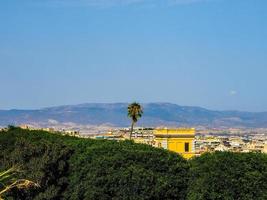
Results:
<point x="77" y="168"/>
<point x="42" y="157"/>
<point x="226" y="175"/>
<point x="135" y="111"/>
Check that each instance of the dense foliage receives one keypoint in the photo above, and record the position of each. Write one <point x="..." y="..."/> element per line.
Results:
<point x="228" y="176"/>
<point x="72" y="168"/>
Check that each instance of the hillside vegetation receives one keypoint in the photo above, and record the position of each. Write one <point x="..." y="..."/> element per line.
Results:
<point x="72" y="168"/>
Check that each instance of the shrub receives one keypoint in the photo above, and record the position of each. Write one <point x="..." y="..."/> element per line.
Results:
<point x="225" y="175"/>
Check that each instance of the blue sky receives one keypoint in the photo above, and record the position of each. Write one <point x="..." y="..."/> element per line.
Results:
<point x="209" y="53"/>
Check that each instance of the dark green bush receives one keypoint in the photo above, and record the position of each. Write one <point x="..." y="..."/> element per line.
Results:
<point x="225" y="175"/>
<point x="71" y="168"/>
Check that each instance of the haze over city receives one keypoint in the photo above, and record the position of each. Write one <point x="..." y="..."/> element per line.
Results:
<point x="198" y="53"/>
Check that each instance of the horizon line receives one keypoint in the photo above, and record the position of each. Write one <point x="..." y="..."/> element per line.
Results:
<point x="142" y="103"/>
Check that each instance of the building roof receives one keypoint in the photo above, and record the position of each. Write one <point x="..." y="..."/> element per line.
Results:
<point x="177" y="133"/>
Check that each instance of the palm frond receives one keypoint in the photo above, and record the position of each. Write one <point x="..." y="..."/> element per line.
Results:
<point x="8" y="182"/>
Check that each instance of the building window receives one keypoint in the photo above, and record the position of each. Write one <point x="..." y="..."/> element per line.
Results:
<point x="186" y="147"/>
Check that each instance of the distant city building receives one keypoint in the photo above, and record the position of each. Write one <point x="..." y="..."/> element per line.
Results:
<point x="221" y="147"/>
<point x="183" y="141"/>
<point x="177" y="140"/>
<point x="24" y="126"/>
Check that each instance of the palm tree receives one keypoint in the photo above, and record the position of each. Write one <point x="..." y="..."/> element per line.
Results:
<point x="135" y="111"/>
<point x="8" y="182"/>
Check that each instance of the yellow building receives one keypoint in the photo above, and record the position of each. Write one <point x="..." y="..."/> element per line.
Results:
<point x="178" y="140"/>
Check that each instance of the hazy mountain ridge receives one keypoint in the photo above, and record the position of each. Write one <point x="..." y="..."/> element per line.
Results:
<point x="155" y="114"/>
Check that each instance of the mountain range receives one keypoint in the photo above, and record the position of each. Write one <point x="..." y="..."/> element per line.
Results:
<point x="115" y="114"/>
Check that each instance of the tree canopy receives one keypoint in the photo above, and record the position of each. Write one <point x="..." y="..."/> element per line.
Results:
<point x="226" y="175"/>
<point x="72" y="168"/>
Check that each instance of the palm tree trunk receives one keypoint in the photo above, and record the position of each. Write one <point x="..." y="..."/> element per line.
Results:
<point x="131" y="133"/>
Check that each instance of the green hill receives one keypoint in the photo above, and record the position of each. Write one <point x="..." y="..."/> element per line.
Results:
<point x="73" y="168"/>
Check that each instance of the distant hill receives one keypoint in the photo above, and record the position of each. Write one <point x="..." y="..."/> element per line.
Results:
<point x="155" y="114"/>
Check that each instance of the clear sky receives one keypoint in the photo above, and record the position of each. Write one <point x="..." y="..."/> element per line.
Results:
<point x="209" y="53"/>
